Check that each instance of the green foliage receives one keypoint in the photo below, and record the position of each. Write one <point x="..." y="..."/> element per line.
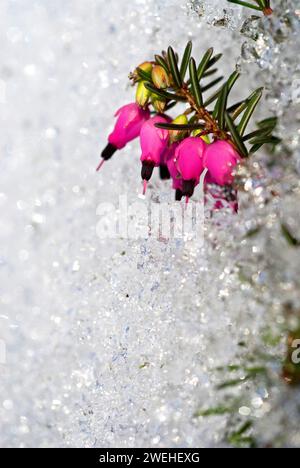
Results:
<point x="259" y="5"/>
<point x="225" y="120"/>
<point x="186" y="59"/>
<point x="236" y="393"/>
<point x="290" y="238"/>
<point x="215" y="411"/>
<point x="164" y="94"/>
<point x="250" y="108"/>
<point x="194" y="77"/>
<point x="174" y="67"/>
<point x="241" y="438"/>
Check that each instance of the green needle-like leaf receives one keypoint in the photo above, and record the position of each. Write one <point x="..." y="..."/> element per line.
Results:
<point x="243" y="105"/>
<point x="238" y="110"/>
<point x="267" y="139"/>
<point x="246" y="4"/>
<point x="172" y="126"/>
<point x="193" y="119"/>
<point x="245" y="427"/>
<point x="170" y="105"/>
<point x="234" y="107"/>
<point x="164" y="94"/>
<point x="255" y="148"/>
<point x="270" y="122"/>
<point x="232" y="79"/>
<point x="230" y="82"/>
<point x="216" y="411"/>
<point x="213" y="97"/>
<point x="211" y="84"/>
<point x="204" y="63"/>
<point x="164" y="55"/>
<point x="239" y="439"/>
<point x="249" y="111"/>
<point x="210" y="72"/>
<point x="261" y="132"/>
<point x="145" y="76"/>
<point x="174" y="67"/>
<point x="195" y="83"/>
<point x="232" y="383"/>
<point x="186" y="59"/>
<point x="289" y="236"/>
<point x="210" y="63"/>
<point x="222" y="104"/>
<point x="214" y="60"/>
<point x="162" y="62"/>
<point x="235" y="135"/>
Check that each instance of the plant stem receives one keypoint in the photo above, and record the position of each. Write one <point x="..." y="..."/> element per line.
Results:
<point x="267" y="11"/>
<point x="211" y="126"/>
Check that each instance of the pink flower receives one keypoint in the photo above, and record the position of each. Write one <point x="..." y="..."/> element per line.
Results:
<point x="154" y="142"/>
<point x="220" y="159"/>
<point x="128" y="126"/>
<point x="130" y="119"/>
<point x="169" y="158"/>
<point x="189" y="163"/>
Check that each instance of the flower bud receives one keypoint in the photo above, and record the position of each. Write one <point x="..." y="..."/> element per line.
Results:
<point x="189" y="162"/>
<point x="146" y="67"/>
<point x="158" y="103"/>
<point x="154" y="142"/>
<point x="176" y="135"/>
<point x="142" y="94"/>
<point x="130" y="119"/>
<point x="171" y="164"/>
<point x="205" y="138"/>
<point x="221" y="159"/>
<point x="160" y="77"/>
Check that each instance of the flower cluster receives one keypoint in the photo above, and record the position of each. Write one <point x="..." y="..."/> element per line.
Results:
<point x="199" y="140"/>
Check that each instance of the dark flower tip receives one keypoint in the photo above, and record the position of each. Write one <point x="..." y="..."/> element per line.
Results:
<point x="108" y="151"/>
<point x="147" y="171"/>
<point x="188" y="188"/>
<point x="164" y="172"/>
<point x="178" y="195"/>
